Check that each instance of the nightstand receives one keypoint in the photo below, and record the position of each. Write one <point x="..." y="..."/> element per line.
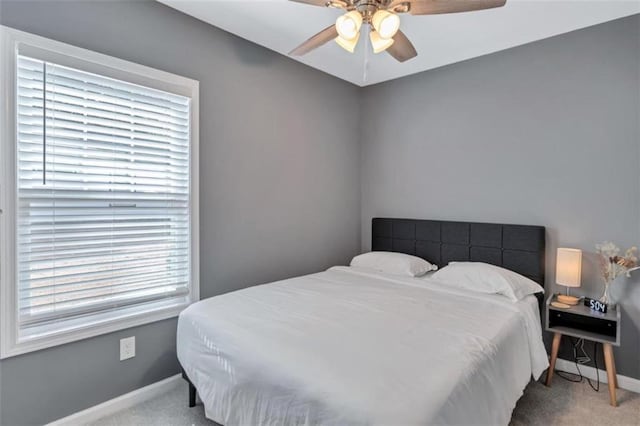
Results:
<point x="581" y="322"/>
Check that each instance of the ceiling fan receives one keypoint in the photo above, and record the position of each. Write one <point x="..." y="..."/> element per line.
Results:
<point x="382" y="17"/>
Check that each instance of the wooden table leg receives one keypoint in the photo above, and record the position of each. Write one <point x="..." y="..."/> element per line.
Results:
<point x="615" y="371"/>
<point x="554" y="355"/>
<point x="611" y="372"/>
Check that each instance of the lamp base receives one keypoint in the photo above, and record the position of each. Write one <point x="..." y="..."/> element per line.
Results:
<point x="568" y="300"/>
<point x="560" y="305"/>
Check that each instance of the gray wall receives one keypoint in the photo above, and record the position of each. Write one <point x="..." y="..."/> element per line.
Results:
<point x="546" y="134"/>
<point x="279" y="186"/>
<point x="542" y="134"/>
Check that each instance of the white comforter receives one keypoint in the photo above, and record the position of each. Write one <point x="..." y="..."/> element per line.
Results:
<point x="347" y="346"/>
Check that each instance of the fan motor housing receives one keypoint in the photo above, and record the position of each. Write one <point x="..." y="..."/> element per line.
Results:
<point x="368" y="7"/>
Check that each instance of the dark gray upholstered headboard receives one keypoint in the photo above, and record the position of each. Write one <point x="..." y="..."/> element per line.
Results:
<point x="519" y="248"/>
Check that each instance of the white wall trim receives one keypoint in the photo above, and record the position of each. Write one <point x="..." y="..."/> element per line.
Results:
<point x="155" y="389"/>
<point x="119" y="403"/>
<point x="624" y="382"/>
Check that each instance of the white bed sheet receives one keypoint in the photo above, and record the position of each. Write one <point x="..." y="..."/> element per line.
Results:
<point x="348" y="346"/>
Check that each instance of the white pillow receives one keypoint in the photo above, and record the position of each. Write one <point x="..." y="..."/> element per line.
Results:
<point x="485" y="278"/>
<point x="393" y="263"/>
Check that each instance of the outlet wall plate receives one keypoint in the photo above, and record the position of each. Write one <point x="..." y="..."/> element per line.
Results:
<point x="127" y="348"/>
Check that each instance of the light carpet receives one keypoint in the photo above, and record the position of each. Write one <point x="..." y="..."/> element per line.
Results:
<point x="564" y="403"/>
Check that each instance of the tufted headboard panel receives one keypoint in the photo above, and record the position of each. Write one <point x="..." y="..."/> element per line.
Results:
<point x="520" y="248"/>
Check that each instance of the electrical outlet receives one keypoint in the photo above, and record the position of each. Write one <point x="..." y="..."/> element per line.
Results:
<point x="127" y="348"/>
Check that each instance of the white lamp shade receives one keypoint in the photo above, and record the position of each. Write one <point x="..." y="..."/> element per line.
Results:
<point x="348" y="45"/>
<point x="378" y="43"/>
<point x="385" y="23"/>
<point x="348" y="25"/>
<point x="569" y="267"/>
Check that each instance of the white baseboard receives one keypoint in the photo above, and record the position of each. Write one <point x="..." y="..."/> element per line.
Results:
<point x="624" y="382"/>
<point x="119" y="403"/>
<point x="151" y="391"/>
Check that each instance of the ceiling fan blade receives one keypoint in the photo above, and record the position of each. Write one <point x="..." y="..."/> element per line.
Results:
<point x="316" y="41"/>
<point x="402" y="49"/>
<point x="321" y="3"/>
<point x="434" y="7"/>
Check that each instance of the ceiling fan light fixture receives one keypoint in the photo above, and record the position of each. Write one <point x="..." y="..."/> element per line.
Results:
<point x="378" y="43"/>
<point x="348" y="25"/>
<point x="382" y="16"/>
<point x="348" y="45"/>
<point x="385" y="23"/>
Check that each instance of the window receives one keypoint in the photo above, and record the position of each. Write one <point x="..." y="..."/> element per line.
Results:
<point x="103" y="199"/>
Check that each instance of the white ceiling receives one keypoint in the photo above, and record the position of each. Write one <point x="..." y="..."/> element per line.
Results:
<point x="281" y="25"/>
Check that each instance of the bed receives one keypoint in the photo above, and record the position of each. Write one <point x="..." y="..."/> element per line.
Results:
<point x="355" y="346"/>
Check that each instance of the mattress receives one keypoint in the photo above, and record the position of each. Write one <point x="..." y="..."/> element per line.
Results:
<point x="350" y="346"/>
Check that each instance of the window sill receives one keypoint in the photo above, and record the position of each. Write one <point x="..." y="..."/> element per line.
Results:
<point x="95" y="326"/>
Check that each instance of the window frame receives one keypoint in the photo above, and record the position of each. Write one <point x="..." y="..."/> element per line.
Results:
<point x="12" y="41"/>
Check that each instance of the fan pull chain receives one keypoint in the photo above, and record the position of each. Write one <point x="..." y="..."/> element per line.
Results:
<point x="365" y="70"/>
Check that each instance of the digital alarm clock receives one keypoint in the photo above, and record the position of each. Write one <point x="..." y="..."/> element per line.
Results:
<point x="595" y="305"/>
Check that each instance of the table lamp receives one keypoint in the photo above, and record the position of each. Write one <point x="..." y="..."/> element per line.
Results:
<point x="568" y="272"/>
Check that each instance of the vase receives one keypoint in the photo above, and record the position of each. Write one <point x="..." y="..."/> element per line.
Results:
<point x="606" y="297"/>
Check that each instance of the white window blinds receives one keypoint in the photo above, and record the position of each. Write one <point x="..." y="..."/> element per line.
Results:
<point x="103" y="208"/>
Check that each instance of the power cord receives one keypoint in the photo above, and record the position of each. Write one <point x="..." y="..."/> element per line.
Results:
<point x="581" y="360"/>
